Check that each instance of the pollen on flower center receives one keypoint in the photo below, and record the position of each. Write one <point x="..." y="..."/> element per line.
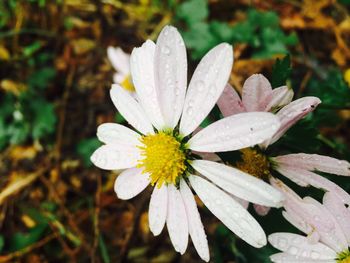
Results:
<point x="344" y="257"/>
<point x="127" y="84"/>
<point x="163" y="158"/>
<point x="254" y="163"/>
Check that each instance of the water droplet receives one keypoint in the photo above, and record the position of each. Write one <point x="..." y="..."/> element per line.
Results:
<point x="177" y="91"/>
<point x="200" y="85"/>
<point x="165" y="50"/>
<point x="190" y="110"/>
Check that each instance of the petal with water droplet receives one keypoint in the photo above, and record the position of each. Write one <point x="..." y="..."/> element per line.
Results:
<point x="229" y="212"/>
<point x="142" y="70"/>
<point x="113" y="133"/>
<point x="281" y="96"/>
<point x="212" y="74"/>
<point x="177" y="220"/>
<point x="229" y="102"/>
<point x="130" y="109"/>
<point x="158" y="208"/>
<point x="235" y="132"/>
<point x="195" y="225"/>
<point x="130" y="183"/>
<point x="170" y="74"/>
<point x="256" y="93"/>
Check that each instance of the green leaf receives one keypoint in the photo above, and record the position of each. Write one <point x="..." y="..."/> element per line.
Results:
<point x="2" y="242"/>
<point x="193" y="11"/>
<point x="41" y="78"/>
<point x="103" y="250"/>
<point x="281" y="71"/>
<point x="31" y="49"/>
<point x="44" y="119"/>
<point x="21" y="240"/>
<point x="85" y="149"/>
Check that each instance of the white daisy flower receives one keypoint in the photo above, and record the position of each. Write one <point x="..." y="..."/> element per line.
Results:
<point x="161" y="155"/>
<point x="120" y="60"/>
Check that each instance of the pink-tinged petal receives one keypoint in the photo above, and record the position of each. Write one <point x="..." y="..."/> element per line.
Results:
<point x="292" y="113"/>
<point x="306" y="178"/>
<point x="119" y="59"/>
<point x="297" y="245"/>
<point x="113" y="133"/>
<point x="229" y="102"/>
<point x="242" y="202"/>
<point x="142" y="70"/>
<point x="261" y="210"/>
<point x="256" y="93"/>
<point x="158" y="209"/>
<point x="238" y="183"/>
<point x="130" y="109"/>
<point x="315" y="162"/>
<point x="298" y="222"/>
<point x="195" y="225"/>
<point x="333" y="235"/>
<point x="340" y="212"/>
<point x="229" y="212"/>
<point x="235" y="132"/>
<point x="170" y="74"/>
<point x="114" y="157"/>
<point x="206" y="86"/>
<point x="130" y="183"/>
<point x="177" y="222"/>
<point x="287" y="258"/>
<point x="281" y="96"/>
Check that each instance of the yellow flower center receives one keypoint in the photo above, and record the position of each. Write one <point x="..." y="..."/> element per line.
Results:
<point x="163" y="158"/>
<point x="254" y="163"/>
<point x="127" y="84"/>
<point x="344" y="257"/>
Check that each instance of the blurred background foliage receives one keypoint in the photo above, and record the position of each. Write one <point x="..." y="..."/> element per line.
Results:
<point x="54" y="83"/>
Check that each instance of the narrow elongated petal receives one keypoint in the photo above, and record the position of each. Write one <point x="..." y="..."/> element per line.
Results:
<point x="306" y="178"/>
<point x="256" y="93"/>
<point x="142" y="70"/>
<point x="206" y="86"/>
<point x="130" y="109"/>
<point x="287" y="258"/>
<point x="158" y="209"/>
<point x="177" y="223"/>
<point x="229" y="212"/>
<point x="235" y="132"/>
<point x="293" y="112"/>
<point x="299" y="246"/>
<point x="281" y="96"/>
<point x="195" y="225"/>
<point x="130" y="183"/>
<point x="113" y="133"/>
<point x="338" y="209"/>
<point x="229" y="102"/>
<point x="171" y="74"/>
<point x="119" y="60"/>
<point x="114" y="157"/>
<point x="315" y="162"/>
<point x="239" y="183"/>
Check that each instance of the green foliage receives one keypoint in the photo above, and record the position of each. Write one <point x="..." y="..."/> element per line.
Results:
<point x="86" y="147"/>
<point x="281" y="71"/>
<point x="260" y="30"/>
<point x="29" y="115"/>
<point x="103" y="250"/>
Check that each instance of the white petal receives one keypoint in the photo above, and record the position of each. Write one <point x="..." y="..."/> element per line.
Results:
<point x="195" y="225"/>
<point x="299" y="246"/>
<point x="287" y="258"/>
<point x="142" y="70"/>
<point x="235" y="132"/>
<point x="119" y="59"/>
<point x="114" y="157"/>
<point x="281" y="96"/>
<point x="130" y="183"/>
<point x="292" y="113"/>
<point x="158" y="208"/>
<point x="239" y="183"/>
<point x="118" y="78"/>
<point x="130" y="109"/>
<point x="338" y="209"/>
<point x="177" y="220"/>
<point x="315" y="162"/>
<point x="229" y="102"/>
<point x="229" y="212"/>
<point x="113" y="133"/>
<point x="171" y="74"/>
<point x="206" y="86"/>
<point x="261" y="210"/>
<point x="256" y="93"/>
